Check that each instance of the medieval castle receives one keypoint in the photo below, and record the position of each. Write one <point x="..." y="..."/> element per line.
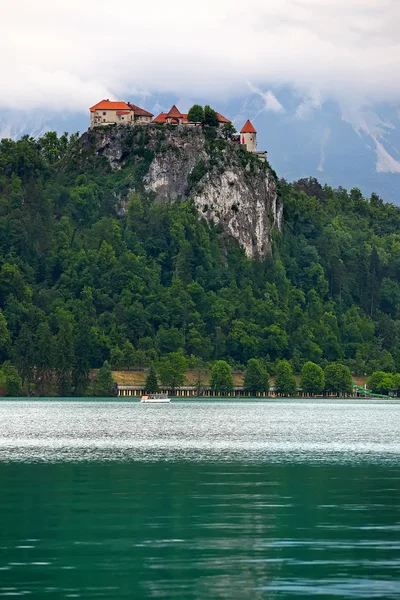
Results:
<point x="107" y="112"/>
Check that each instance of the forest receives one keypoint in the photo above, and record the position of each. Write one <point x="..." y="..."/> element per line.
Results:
<point x="83" y="283"/>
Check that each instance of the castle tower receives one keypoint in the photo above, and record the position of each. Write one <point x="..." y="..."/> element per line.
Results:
<point x="174" y="117"/>
<point x="248" y="136"/>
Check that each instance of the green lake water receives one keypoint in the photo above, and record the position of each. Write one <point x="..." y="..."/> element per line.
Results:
<point x="200" y="500"/>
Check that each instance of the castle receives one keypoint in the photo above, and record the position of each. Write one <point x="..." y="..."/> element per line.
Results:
<point x="107" y="112"/>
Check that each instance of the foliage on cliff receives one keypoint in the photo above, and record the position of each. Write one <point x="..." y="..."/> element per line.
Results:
<point x="82" y="282"/>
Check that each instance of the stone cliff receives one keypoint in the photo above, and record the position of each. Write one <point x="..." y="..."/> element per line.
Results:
<point x="228" y="185"/>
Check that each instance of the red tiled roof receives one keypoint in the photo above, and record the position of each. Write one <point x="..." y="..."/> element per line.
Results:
<point x="109" y="105"/>
<point x="222" y="119"/>
<point x="248" y="128"/>
<point x="123" y="112"/>
<point x="174" y="113"/>
<point x="160" y="118"/>
<point x="140" y="111"/>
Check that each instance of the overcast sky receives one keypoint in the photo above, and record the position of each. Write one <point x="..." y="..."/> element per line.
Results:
<point x="68" y="55"/>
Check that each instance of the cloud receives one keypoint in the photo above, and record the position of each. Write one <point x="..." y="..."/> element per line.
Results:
<point x="270" y="101"/>
<point x="311" y="101"/>
<point x="68" y="55"/>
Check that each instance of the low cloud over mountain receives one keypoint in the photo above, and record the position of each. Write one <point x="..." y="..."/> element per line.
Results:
<point x="68" y="55"/>
<point x="317" y="75"/>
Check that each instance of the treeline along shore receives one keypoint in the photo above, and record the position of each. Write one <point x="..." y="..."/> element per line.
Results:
<point x="99" y="275"/>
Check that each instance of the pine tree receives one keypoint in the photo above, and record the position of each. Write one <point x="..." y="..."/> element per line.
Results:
<point x="43" y="355"/>
<point x="83" y="355"/>
<point x="4" y="336"/>
<point x="103" y="383"/>
<point x="23" y="353"/>
<point x="65" y="357"/>
<point x="151" y="380"/>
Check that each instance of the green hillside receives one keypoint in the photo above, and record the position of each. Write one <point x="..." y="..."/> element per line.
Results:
<point x="92" y="271"/>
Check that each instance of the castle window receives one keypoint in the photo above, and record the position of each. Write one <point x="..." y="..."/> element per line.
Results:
<point x="104" y="114"/>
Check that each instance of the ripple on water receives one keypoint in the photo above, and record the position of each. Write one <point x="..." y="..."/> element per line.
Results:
<point x="208" y="500"/>
<point x="111" y="431"/>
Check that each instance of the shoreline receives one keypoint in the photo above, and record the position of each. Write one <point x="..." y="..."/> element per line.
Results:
<point x="204" y="400"/>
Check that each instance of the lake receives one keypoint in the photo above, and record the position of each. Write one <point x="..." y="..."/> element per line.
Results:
<point x="200" y="500"/>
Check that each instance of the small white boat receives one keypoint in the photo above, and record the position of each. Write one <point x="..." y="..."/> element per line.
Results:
<point x="156" y="398"/>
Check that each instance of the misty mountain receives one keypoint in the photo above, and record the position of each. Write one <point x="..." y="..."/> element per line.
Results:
<point x="344" y="146"/>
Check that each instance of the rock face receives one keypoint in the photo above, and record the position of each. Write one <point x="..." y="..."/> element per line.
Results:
<point x="246" y="205"/>
<point x="169" y="174"/>
<point x="228" y="185"/>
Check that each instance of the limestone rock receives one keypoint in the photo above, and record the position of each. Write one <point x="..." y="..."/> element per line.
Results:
<point x="228" y="185"/>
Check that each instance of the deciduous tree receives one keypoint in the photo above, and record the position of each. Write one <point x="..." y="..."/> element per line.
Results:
<point x="285" y="381"/>
<point x="338" y="379"/>
<point x="312" y="378"/>
<point x="221" y="377"/>
<point x="172" y="369"/>
<point x="256" y="378"/>
<point x="196" y="114"/>
<point x="210" y="117"/>
<point x="13" y="381"/>
<point x="381" y="383"/>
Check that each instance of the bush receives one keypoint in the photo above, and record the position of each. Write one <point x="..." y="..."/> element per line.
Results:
<point x="11" y="379"/>
<point x="198" y="172"/>
<point x="13" y="385"/>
